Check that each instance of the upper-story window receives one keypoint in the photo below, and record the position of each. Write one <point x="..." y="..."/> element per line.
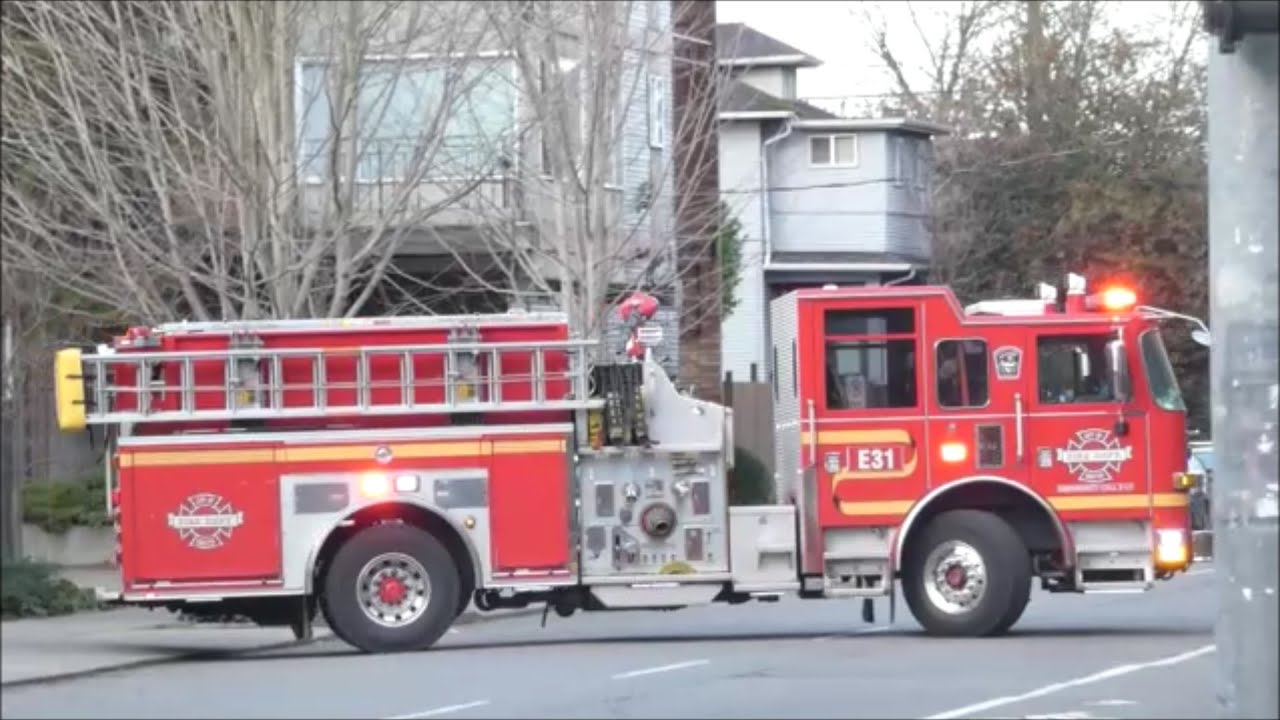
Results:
<point x="833" y="150"/>
<point x="902" y="159"/>
<point x="414" y="119"/>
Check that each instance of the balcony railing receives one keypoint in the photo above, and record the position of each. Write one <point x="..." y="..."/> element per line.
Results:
<point x="859" y="106"/>
<point x="397" y="159"/>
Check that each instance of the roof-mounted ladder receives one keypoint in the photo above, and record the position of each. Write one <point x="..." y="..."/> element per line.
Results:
<point x="248" y="382"/>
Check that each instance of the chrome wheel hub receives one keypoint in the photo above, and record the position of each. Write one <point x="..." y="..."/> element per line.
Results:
<point x="955" y="577"/>
<point x="393" y="589"/>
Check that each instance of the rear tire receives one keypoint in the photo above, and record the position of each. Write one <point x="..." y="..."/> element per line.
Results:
<point x="967" y="575"/>
<point x="391" y="588"/>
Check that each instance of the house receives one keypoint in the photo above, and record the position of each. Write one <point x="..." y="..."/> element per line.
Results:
<point x="821" y="198"/>
<point x="477" y="124"/>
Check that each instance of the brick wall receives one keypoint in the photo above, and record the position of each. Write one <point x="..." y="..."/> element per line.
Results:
<point x="694" y="79"/>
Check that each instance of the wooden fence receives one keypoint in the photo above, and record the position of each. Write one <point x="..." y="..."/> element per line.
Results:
<point x="752" y="403"/>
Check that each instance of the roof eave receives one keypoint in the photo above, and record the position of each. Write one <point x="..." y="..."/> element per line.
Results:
<point x="803" y="61"/>
<point x="906" y="124"/>
<point x="756" y="115"/>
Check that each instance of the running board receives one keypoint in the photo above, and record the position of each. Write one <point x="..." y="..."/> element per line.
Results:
<point x="871" y="592"/>
<point x="1116" y="588"/>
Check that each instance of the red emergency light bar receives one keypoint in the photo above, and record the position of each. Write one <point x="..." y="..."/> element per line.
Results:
<point x="1113" y="299"/>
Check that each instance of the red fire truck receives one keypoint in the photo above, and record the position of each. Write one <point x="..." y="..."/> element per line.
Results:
<point x="385" y="472"/>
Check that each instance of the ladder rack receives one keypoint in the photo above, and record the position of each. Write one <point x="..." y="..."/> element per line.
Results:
<point x="255" y="383"/>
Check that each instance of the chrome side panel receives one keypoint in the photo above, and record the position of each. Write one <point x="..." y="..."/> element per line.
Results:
<point x="680" y="474"/>
<point x="784" y="331"/>
<point x="306" y="524"/>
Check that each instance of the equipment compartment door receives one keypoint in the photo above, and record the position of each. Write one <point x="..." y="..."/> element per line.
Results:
<point x="529" y="504"/>
<point x="977" y="398"/>
<point x="187" y="518"/>
<point x="865" y="385"/>
<point x="1087" y="450"/>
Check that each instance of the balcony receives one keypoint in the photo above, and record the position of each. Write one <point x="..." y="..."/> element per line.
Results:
<point x="464" y="181"/>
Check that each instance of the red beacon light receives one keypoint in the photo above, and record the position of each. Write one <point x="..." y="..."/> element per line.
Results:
<point x="1113" y="299"/>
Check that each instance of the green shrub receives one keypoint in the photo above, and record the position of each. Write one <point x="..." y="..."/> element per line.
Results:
<point x="32" y="589"/>
<point x="59" y="505"/>
<point x="749" y="482"/>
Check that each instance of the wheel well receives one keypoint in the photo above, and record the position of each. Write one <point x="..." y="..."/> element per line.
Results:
<point x="1035" y="523"/>
<point x="412" y="515"/>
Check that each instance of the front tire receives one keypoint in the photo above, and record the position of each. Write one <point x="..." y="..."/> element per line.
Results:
<point x="967" y="575"/>
<point x="391" y="588"/>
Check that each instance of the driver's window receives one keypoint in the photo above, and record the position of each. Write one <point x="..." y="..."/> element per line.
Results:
<point x="1073" y="369"/>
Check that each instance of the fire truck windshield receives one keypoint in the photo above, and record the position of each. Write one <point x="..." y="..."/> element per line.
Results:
<point x="1155" y="363"/>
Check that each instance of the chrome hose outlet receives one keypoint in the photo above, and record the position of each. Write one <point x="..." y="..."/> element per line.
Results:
<point x="658" y="520"/>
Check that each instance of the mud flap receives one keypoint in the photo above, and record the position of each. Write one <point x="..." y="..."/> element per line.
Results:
<point x="893" y="601"/>
<point x="869" y="608"/>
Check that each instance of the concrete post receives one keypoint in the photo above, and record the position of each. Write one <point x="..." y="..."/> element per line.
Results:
<point x="1244" y="362"/>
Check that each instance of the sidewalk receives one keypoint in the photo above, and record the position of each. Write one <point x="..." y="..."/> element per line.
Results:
<point x="42" y="649"/>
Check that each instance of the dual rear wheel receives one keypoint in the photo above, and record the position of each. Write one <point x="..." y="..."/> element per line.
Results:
<point x="967" y="575"/>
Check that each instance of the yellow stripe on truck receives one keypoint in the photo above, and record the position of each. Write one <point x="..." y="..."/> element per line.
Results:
<point x="1059" y="502"/>
<point x="68" y="389"/>
<point x="338" y="453"/>
<point x="1117" y="502"/>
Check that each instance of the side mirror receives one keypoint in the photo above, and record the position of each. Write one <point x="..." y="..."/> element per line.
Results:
<point x="1201" y="337"/>
<point x="1118" y="364"/>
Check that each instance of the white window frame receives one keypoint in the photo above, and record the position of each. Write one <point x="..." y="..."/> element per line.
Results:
<point x="657" y="103"/>
<point x="831" y="149"/>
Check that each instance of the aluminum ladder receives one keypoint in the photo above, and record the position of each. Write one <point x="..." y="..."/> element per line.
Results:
<point x="253" y="385"/>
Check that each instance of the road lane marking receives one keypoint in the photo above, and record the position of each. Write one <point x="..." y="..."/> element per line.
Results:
<point x="1068" y="715"/>
<point x="439" y="711"/>
<point x="1077" y="682"/>
<point x="1199" y="571"/>
<point x="660" y="669"/>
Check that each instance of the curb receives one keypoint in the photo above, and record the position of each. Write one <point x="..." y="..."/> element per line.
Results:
<point x="467" y="618"/>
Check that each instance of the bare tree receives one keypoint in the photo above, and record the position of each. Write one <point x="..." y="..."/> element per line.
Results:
<point x="1078" y="147"/>
<point x="212" y="160"/>
<point x="580" y="227"/>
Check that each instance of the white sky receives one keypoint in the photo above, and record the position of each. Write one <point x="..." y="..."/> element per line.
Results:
<point x="834" y="33"/>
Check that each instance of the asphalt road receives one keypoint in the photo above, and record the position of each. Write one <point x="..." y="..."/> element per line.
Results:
<point x="1071" y="656"/>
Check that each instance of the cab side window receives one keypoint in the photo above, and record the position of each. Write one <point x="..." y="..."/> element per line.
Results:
<point x="961" y="368"/>
<point x="1073" y="369"/>
<point x="870" y="359"/>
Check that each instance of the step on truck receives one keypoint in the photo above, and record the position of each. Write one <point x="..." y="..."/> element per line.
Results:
<point x="388" y="472"/>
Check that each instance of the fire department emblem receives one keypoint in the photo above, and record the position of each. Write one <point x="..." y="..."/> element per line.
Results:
<point x="1008" y="361"/>
<point x="1093" y="455"/>
<point x="204" y="521"/>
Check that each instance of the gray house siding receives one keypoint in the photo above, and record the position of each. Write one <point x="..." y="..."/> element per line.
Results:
<point x="778" y="81"/>
<point x="826" y="209"/>
<point x="857" y="209"/>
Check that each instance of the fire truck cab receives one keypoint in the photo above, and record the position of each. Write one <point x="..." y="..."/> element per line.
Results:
<point x="965" y="450"/>
<point x="387" y="472"/>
